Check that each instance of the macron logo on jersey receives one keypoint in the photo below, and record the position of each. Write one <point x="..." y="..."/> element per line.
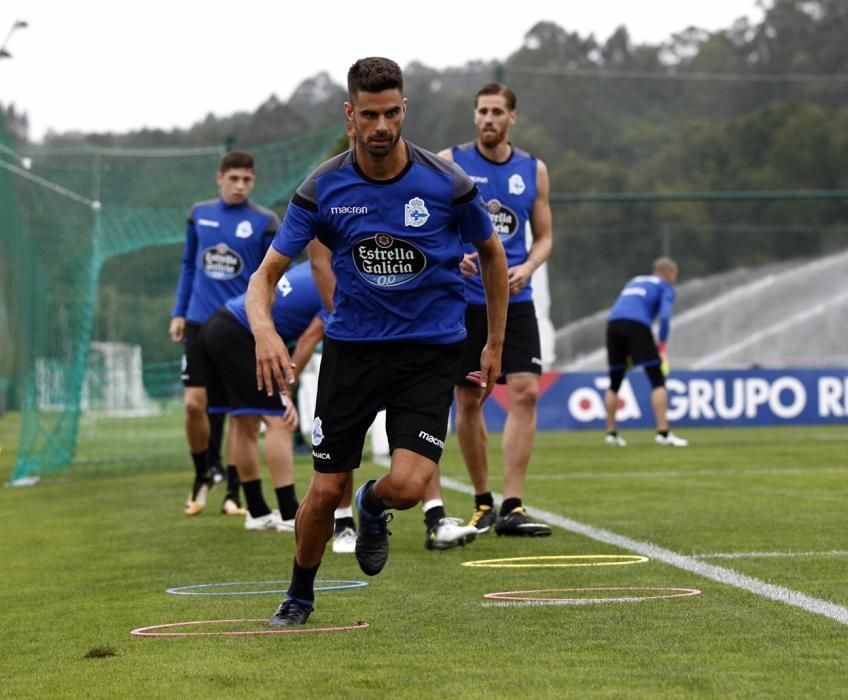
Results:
<point x="209" y="222"/>
<point x="478" y="178"/>
<point x="634" y="292"/>
<point x="349" y="210"/>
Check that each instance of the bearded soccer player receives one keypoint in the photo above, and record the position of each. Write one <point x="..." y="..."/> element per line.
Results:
<point x="515" y="188"/>
<point x="395" y="218"/>
<point x="226" y="239"/>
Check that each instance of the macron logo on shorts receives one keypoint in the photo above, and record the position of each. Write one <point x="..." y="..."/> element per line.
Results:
<point x="434" y="440"/>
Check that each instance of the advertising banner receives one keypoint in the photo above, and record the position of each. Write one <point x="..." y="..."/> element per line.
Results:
<point x="575" y="401"/>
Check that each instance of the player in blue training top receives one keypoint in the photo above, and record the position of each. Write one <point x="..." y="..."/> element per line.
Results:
<point x="630" y="340"/>
<point x="230" y="359"/>
<point x="395" y="218"/>
<point x="515" y="187"/>
<point x="226" y="239"/>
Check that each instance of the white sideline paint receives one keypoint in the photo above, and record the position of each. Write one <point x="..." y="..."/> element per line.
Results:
<point x="684" y="473"/>
<point x="770" y="555"/>
<point x="729" y="577"/>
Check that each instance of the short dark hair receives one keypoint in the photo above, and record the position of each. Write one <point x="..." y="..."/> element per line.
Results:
<point x="374" y="74"/>
<point x="498" y="89"/>
<point x="236" y="159"/>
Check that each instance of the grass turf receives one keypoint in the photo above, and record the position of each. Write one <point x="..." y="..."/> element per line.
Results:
<point x="88" y="558"/>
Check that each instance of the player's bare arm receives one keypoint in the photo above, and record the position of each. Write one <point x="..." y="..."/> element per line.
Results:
<point x="541" y="225"/>
<point x="320" y="258"/>
<point x="494" y="274"/>
<point x="272" y="358"/>
<point x="306" y="344"/>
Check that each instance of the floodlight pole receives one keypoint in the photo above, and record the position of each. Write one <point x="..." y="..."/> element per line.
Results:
<point x="18" y="24"/>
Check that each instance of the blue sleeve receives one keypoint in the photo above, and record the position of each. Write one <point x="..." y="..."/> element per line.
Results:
<point x="666" y="306"/>
<point x="186" y="280"/>
<point x="299" y="227"/>
<point x="474" y="221"/>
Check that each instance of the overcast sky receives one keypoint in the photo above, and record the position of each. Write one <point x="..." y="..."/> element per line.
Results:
<point x="107" y="65"/>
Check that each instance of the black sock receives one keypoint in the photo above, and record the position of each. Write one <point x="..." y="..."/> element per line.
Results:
<point x="509" y="505"/>
<point x="664" y="433"/>
<point x="342" y="523"/>
<point x="370" y="503"/>
<point x="201" y="463"/>
<point x="256" y="505"/>
<point x="287" y="500"/>
<point x="484" y="499"/>
<point x="433" y="516"/>
<point x="612" y="432"/>
<point x="216" y="432"/>
<point x="302" y="586"/>
<point x="233" y="482"/>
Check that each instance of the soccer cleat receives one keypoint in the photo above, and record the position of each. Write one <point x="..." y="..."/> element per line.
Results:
<point x="291" y="612"/>
<point x="284" y="525"/>
<point x="344" y="541"/>
<point x="449" y="532"/>
<point x="482" y="519"/>
<point x="197" y="497"/>
<point x="518" y="523"/>
<point x="615" y="441"/>
<point x="231" y="506"/>
<point x="670" y="440"/>
<point x="270" y="521"/>
<point x="372" y="537"/>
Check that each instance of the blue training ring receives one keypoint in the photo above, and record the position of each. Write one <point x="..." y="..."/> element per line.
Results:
<point x="197" y="589"/>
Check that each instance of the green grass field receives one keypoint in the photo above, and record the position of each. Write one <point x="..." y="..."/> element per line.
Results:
<point x="743" y="515"/>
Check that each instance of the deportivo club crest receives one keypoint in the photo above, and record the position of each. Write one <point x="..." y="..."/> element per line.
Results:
<point x="244" y="229"/>
<point x="516" y="184"/>
<point x="317" y="433"/>
<point x="415" y="213"/>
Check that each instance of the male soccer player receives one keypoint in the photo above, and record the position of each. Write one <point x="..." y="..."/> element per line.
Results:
<point x="226" y="239"/>
<point x="395" y="218"/>
<point x="630" y="339"/>
<point x="515" y="188"/>
<point x="230" y="359"/>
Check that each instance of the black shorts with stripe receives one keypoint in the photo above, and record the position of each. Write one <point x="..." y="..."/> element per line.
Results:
<point x="230" y="357"/>
<point x="630" y="339"/>
<point x="522" y="351"/>
<point x="412" y="381"/>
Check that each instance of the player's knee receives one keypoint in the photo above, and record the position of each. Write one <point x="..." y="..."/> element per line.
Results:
<point x="326" y="493"/>
<point x="195" y="407"/>
<point x="525" y="397"/>
<point x="616" y="378"/>
<point x="655" y="376"/>
<point x="467" y="399"/>
<point x="408" y="491"/>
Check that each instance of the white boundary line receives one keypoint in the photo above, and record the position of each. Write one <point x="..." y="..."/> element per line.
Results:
<point x="729" y="577"/>
<point x="770" y="555"/>
<point x="667" y="473"/>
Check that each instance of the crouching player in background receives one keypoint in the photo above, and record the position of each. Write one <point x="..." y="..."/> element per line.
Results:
<point x="629" y="339"/>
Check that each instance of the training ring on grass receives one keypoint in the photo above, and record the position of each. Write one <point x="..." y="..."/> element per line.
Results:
<point x="155" y="630"/>
<point x="530" y="598"/>
<point x="199" y="589"/>
<point x="564" y="560"/>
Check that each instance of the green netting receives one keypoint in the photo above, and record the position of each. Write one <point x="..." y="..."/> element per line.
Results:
<point x="90" y="248"/>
